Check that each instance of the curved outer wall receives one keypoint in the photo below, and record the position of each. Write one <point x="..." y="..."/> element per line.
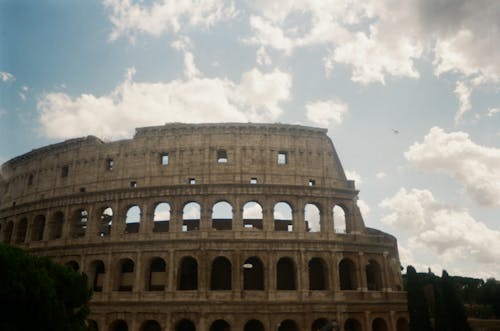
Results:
<point x="56" y="201"/>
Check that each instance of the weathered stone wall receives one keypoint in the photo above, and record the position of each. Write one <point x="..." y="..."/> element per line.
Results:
<point x="57" y="201"/>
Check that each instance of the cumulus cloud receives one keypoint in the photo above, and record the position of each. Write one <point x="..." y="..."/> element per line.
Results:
<point x="6" y="76"/>
<point x="384" y="38"/>
<point x="474" y="166"/>
<point x="463" y="94"/>
<point x="493" y="111"/>
<point x="256" y="97"/>
<point x="326" y="112"/>
<point x="131" y="18"/>
<point x="380" y="175"/>
<point x="452" y="233"/>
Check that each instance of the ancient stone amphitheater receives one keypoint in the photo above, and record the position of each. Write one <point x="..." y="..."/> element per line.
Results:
<point x="207" y="227"/>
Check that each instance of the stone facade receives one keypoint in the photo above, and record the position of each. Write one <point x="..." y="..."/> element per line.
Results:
<point x="207" y="227"/>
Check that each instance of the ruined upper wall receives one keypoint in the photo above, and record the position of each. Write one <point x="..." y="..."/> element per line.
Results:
<point x="90" y="165"/>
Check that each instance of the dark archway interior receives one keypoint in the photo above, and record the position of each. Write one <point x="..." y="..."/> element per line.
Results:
<point x="285" y="274"/>
<point x="253" y="274"/>
<point x="220" y="277"/>
<point x="347" y="273"/>
<point x="379" y="325"/>
<point x="188" y="274"/>
<point x="98" y="277"/>
<point x="220" y="325"/>
<point x="118" y="325"/>
<point x="157" y="275"/>
<point x="185" y="325"/>
<point x="317" y="275"/>
<point x="373" y="276"/>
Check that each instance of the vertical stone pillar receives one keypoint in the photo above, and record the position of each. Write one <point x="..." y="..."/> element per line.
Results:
<point x="326" y="218"/>
<point x="299" y="223"/>
<point x="361" y="272"/>
<point x="237" y="215"/>
<point x="334" y="274"/>
<point x="118" y="224"/>
<point x="175" y="224"/>
<point x="93" y="222"/>
<point x="206" y="216"/>
<point x="172" y="266"/>
<point x="386" y="284"/>
<point x="367" y="321"/>
<point x="139" y="274"/>
<point x="267" y="216"/>
<point x="109" y="272"/>
<point x="67" y="223"/>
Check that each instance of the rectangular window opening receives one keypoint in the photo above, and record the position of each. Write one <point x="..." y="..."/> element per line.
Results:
<point x="253" y="180"/>
<point x="312" y="182"/>
<point x="164" y="159"/>
<point x="192" y="181"/>
<point x="221" y="156"/>
<point x="83" y="190"/>
<point x="30" y="180"/>
<point x="65" y="171"/>
<point x="282" y="158"/>
<point x="133" y="184"/>
<point x="109" y="164"/>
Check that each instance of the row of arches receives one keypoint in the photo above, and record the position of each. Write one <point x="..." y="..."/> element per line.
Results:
<point x="54" y="227"/>
<point x="221" y="274"/>
<point x="351" y="324"/>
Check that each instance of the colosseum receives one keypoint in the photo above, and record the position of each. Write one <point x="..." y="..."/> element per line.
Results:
<point x="207" y="227"/>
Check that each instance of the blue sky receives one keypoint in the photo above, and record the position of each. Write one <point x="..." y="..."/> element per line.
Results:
<point x="409" y="92"/>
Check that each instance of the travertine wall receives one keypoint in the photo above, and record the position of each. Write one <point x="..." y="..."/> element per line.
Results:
<point x="52" y="202"/>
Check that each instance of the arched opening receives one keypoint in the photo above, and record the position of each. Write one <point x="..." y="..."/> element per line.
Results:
<point x="150" y="325"/>
<point x="288" y="325"/>
<point x="339" y="220"/>
<point x="133" y="219"/>
<point x="56" y="225"/>
<point x="220" y="276"/>
<point x="38" y="227"/>
<point x="191" y="215"/>
<point x="92" y="325"/>
<point x="402" y="324"/>
<point x="379" y="324"/>
<point x="22" y="228"/>
<point x="347" y="275"/>
<point x="319" y="323"/>
<point x="352" y="325"/>
<point x="185" y="325"/>
<point x="285" y="274"/>
<point x="125" y="277"/>
<point x="283" y="217"/>
<point x="73" y="265"/>
<point x="106" y="221"/>
<point x="220" y="325"/>
<point x="118" y="325"/>
<point x="254" y="325"/>
<point x="252" y="215"/>
<point x="157" y="275"/>
<point x="79" y="223"/>
<point x="9" y="228"/>
<point x="312" y="218"/>
<point x="373" y="276"/>
<point x="161" y="217"/>
<point x="188" y="274"/>
<point x="96" y="276"/>
<point x="222" y="216"/>
<point x="317" y="275"/>
<point x="253" y="274"/>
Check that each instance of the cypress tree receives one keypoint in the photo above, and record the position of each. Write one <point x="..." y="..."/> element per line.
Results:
<point x="417" y="304"/>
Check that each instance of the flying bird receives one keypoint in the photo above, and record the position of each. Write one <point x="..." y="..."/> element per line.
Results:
<point x="395" y="131"/>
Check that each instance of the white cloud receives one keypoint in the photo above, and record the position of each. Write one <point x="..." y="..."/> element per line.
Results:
<point x="3" y="112"/>
<point x="451" y="233"/>
<point x="474" y="166"/>
<point x="353" y="175"/>
<point x="131" y="18"/>
<point x="326" y="112"/>
<point x="493" y="111"/>
<point x="256" y="97"/>
<point x="382" y="38"/>
<point x="6" y="76"/>
<point x="381" y="175"/>
<point x="463" y="93"/>
<point x="263" y="57"/>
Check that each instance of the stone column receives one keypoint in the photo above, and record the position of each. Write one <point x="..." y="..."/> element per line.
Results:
<point x="299" y="224"/>
<point x="267" y="216"/>
<point x="326" y="219"/>
<point x="361" y="272"/>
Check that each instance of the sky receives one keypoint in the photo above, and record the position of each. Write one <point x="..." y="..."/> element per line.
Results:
<point x="408" y="90"/>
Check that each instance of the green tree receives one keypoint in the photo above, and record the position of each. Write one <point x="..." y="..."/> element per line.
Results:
<point x="37" y="294"/>
<point x="417" y="304"/>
